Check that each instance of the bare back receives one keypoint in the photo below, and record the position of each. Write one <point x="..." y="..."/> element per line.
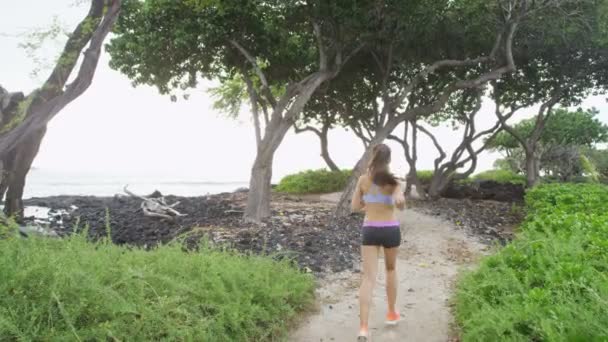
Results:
<point x="377" y="210"/>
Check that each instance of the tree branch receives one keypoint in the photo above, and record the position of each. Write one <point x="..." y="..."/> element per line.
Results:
<point x="41" y="109"/>
<point x="442" y="153"/>
<point x="321" y="46"/>
<point x="265" y="85"/>
<point x="299" y="130"/>
<point x="253" y="99"/>
<point x="77" y="41"/>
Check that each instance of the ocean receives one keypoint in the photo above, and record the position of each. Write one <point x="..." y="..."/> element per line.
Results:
<point x="43" y="183"/>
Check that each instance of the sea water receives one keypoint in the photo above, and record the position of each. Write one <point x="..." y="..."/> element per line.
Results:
<point x="43" y="183"/>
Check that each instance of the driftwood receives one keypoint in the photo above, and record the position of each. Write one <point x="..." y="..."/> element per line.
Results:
<point x="156" y="207"/>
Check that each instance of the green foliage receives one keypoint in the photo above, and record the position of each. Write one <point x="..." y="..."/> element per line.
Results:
<point x="568" y="198"/>
<point x="172" y="44"/>
<point x="229" y="95"/>
<point x="36" y="40"/>
<point x="589" y="168"/>
<point x="73" y="290"/>
<point x="563" y="142"/>
<point x="550" y="283"/>
<point x="425" y="176"/>
<point x="578" y="128"/>
<point x="599" y="159"/>
<point x="314" y="182"/>
<point x="501" y="176"/>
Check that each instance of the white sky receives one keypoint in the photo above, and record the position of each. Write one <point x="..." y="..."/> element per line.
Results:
<point x="115" y="129"/>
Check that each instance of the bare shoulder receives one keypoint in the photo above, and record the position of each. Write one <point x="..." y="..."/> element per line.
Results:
<point x="363" y="179"/>
<point x="364" y="182"/>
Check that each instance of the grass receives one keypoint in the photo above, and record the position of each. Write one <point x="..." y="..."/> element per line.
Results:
<point x="551" y="282"/>
<point x="314" y="182"/>
<point x="501" y="176"/>
<point x="75" y="290"/>
<point x="425" y="176"/>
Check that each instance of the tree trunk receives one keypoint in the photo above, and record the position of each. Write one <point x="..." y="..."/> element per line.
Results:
<point x="532" y="166"/>
<point x="439" y="183"/>
<point x="260" y="187"/>
<point x="325" y="151"/>
<point x="343" y="208"/>
<point x="258" y="199"/>
<point x="24" y="157"/>
<point x="7" y="164"/>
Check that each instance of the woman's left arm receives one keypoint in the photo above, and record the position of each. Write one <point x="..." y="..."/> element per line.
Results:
<point x="398" y="197"/>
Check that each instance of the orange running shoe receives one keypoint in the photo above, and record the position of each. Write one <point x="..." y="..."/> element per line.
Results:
<point x="392" y="318"/>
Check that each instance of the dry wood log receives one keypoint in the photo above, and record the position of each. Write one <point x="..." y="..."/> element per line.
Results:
<point x="156" y="207"/>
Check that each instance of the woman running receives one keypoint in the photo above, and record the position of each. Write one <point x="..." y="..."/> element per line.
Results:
<point x="378" y="194"/>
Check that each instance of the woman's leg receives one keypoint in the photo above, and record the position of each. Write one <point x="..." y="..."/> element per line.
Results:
<point x="390" y="261"/>
<point x="369" y="257"/>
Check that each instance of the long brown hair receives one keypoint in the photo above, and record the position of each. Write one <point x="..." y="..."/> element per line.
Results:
<point x="378" y="166"/>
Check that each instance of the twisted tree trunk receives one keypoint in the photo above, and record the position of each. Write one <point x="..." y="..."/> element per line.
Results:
<point x="23" y="124"/>
<point x="343" y="208"/>
<point x="325" y="149"/>
<point x="20" y="166"/>
<point x="284" y="112"/>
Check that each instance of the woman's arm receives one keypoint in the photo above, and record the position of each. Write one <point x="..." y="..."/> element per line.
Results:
<point x="398" y="197"/>
<point x="356" y="204"/>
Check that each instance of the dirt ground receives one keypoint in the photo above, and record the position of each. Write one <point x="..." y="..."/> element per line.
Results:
<point x="432" y="253"/>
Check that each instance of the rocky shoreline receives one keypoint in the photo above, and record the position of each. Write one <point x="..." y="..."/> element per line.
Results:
<point x="301" y="228"/>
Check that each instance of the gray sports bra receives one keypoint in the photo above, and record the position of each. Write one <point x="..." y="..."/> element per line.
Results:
<point x="375" y="196"/>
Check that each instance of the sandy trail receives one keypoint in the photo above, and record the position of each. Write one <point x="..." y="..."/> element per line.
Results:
<point x="430" y="257"/>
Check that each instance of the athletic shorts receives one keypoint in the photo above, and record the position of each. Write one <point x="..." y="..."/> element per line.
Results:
<point x="385" y="234"/>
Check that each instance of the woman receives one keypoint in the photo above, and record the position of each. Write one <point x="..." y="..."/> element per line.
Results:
<point x="378" y="194"/>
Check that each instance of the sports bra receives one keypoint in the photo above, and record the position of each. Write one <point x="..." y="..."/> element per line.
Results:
<point x="375" y="196"/>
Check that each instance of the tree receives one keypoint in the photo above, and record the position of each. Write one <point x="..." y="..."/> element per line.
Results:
<point x="565" y="137"/>
<point x="599" y="159"/>
<point x="171" y="44"/>
<point x="462" y="113"/>
<point x="23" y="122"/>
<point x="319" y="119"/>
<point x="469" y="44"/>
<point x="566" y="61"/>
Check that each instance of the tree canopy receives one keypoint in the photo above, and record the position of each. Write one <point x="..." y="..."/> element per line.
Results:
<point x="580" y="128"/>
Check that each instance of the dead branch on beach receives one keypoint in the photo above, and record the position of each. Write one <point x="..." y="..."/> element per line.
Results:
<point x="156" y="207"/>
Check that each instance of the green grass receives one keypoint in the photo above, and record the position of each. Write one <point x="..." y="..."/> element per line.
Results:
<point x="551" y="282"/>
<point x="314" y="182"/>
<point x="501" y="176"/>
<point x="75" y="290"/>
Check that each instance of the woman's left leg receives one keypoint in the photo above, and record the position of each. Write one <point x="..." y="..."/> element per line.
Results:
<point x="390" y="261"/>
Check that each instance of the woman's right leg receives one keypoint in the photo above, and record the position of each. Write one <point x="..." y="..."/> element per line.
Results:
<point x="369" y="256"/>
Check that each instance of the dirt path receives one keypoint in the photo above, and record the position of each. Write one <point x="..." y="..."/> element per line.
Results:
<point x="432" y="254"/>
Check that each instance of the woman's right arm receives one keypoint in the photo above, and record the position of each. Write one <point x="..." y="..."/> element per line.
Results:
<point x="356" y="203"/>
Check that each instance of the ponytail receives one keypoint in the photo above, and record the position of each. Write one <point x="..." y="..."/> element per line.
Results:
<point x="378" y="166"/>
<point x="382" y="178"/>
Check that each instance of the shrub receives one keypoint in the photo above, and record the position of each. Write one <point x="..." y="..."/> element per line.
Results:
<point x="425" y="176"/>
<point x="550" y="284"/>
<point x="314" y="182"/>
<point x="72" y="289"/>
<point x="501" y="176"/>
<point x="568" y="198"/>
